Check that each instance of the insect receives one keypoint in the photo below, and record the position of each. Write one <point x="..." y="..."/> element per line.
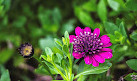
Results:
<point x="26" y="50"/>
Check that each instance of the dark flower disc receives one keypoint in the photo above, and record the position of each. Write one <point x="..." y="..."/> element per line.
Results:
<point x="26" y="50"/>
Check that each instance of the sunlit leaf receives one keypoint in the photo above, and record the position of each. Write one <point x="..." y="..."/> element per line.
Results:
<point x="48" y="51"/>
<point x="57" y="41"/>
<point x="113" y="4"/>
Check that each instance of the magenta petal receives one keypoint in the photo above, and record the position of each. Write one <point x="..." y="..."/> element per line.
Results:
<point x="99" y="58"/>
<point x="94" y="62"/>
<point x="78" y="30"/>
<point x="71" y="37"/>
<point x="77" y="56"/>
<point x="106" y="55"/>
<point x="96" y="32"/>
<point x="107" y="45"/>
<point x="106" y="49"/>
<point x="87" y="29"/>
<point x="88" y="59"/>
<point x="105" y="39"/>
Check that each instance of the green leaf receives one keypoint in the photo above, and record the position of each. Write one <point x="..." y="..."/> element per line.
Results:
<point x="89" y="69"/>
<point x="132" y="64"/>
<point x="20" y="21"/>
<point x="122" y="29"/>
<point x="57" y="41"/>
<point x="58" y="49"/>
<point x="4" y="74"/>
<point x="83" y="78"/>
<point x="132" y="5"/>
<point x="110" y="27"/>
<point x="48" y="51"/>
<point x="41" y="70"/>
<point x="112" y="38"/>
<point x="6" y="4"/>
<point x="118" y="21"/>
<point x="65" y="63"/>
<point x="81" y="67"/>
<point x="90" y="6"/>
<point x="5" y="55"/>
<point x="102" y="11"/>
<point x="64" y="41"/>
<point x="84" y="17"/>
<point x="68" y="26"/>
<point x="113" y="4"/>
<point x="130" y="77"/>
<point x="118" y="52"/>
<point x="1" y="10"/>
<point x="66" y="37"/>
<point x="59" y="56"/>
<point x="65" y="49"/>
<point x="44" y="57"/>
<point x="46" y="42"/>
<point x="93" y="77"/>
<point x="50" y="67"/>
<point x="38" y="31"/>
<point x="56" y="16"/>
<point x="1" y="1"/>
<point x="49" y="19"/>
<point x="134" y="36"/>
<point x="118" y="34"/>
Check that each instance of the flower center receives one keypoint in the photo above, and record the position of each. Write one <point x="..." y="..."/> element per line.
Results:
<point x="27" y="50"/>
<point x="87" y="43"/>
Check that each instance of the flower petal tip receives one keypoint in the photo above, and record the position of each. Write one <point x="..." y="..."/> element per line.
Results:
<point x="105" y="39"/>
<point x="78" y="30"/>
<point x="87" y="29"/>
<point x="96" y="32"/>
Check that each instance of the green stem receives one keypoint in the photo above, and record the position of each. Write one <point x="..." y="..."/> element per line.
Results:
<point x="63" y="76"/>
<point x="70" y="68"/>
<point x="47" y="68"/>
<point x="66" y="74"/>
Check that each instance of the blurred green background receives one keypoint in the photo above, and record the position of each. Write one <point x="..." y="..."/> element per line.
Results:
<point x="40" y="21"/>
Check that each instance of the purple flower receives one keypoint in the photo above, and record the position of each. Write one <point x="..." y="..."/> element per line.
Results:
<point x="90" y="46"/>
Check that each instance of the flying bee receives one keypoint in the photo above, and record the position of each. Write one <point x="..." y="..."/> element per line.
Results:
<point x="26" y="50"/>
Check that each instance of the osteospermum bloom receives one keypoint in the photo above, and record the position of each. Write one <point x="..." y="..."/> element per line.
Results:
<point x="26" y="50"/>
<point x="89" y="45"/>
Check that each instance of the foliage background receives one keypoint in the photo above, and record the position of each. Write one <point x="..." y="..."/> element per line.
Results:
<point x="40" y="21"/>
